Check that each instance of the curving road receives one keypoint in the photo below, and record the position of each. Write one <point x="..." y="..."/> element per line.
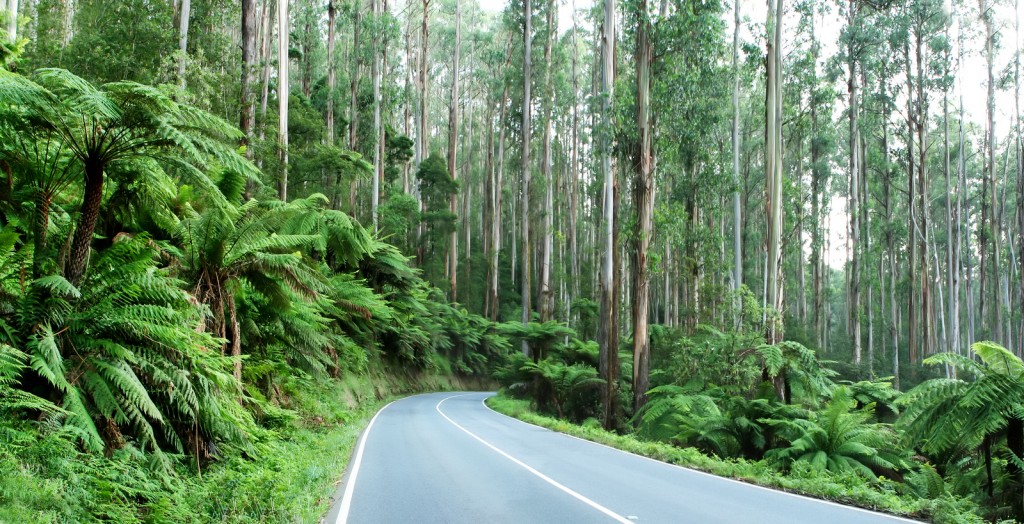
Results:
<point x="446" y="457"/>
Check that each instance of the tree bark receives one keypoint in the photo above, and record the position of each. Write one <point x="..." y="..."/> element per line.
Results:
<point x="284" y="22"/>
<point x="247" y="116"/>
<point x="183" y="20"/>
<point x="525" y="197"/>
<point x="92" y="197"/>
<point x="773" y="169"/>
<point x="453" y="141"/>
<point x="545" y="298"/>
<point x="378" y="130"/>
<point x="331" y="77"/>
<point x="607" y="325"/>
<point x="643" y="200"/>
<point x="737" y="212"/>
<point x="854" y="201"/>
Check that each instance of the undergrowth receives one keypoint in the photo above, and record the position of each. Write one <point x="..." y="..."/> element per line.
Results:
<point x="288" y="475"/>
<point x="884" y="495"/>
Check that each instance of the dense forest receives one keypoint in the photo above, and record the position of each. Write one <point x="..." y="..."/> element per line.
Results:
<point x="787" y="234"/>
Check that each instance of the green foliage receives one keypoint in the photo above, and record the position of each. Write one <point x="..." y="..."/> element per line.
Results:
<point x="847" y="488"/>
<point x="566" y="384"/>
<point x="840" y="439"/>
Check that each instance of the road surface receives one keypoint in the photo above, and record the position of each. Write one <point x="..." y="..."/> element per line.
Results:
<point x="448" y="458"/>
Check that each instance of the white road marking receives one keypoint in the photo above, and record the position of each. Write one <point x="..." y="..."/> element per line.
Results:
<point x="727" y="479"/>
<point x="545" y="478"/>
<point x="346" y="499"/>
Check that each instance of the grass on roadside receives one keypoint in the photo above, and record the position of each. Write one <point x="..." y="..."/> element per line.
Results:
<point x="884" y="495"/>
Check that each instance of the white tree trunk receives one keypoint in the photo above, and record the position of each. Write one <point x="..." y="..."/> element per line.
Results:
<point x="283" y="21"/>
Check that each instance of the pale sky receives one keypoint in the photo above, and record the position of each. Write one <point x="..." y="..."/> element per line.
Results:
<point x="564" y="10"/>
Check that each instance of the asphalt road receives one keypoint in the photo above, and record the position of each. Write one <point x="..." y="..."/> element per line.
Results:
<point x="446" y="457"/>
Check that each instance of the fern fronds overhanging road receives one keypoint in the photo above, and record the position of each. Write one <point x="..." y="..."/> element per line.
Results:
<point x="446" y="457"/>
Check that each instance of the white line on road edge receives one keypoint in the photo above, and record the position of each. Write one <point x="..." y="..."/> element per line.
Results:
<point x="705" y="473"/>
<point x="545" y="478"/>
<point x="346" y="499"/>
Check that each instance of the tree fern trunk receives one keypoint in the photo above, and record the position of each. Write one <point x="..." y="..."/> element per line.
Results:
<point x="91" y="200"/>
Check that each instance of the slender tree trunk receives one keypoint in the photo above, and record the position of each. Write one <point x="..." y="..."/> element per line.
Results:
<point x="954" y="322"/>
<point x="496" y="224"/>
<point x="269" y="17"/>
<point x="283" y="94"/>
<point x="331" y="77"/>
<point x="607" y="325"/>
<point x="817" y="196"/>
<point x="643" y="200"/>
<point x="453" y="142"/>
<point x="574" y="254"/>
<point x="525" y="206"/>
<point x="854" y="201"/>
<point x="353" y="107"/>
<point x="183" y="20"/>
<point x="378" y="129"/>
<point x="545" y="298"/>
<point x="423" y="134"/>
<point x="912" y="196"/>
<point x="248" y="66"/>
<point x="12" y="20"/>
<point x="773" y="170"/>
<point x="236" y="336"/>
<point x="988" y="181"/>
<point x="737" y="211"/>
<point x="921" y="121"/>
<point x="407" y="110"/>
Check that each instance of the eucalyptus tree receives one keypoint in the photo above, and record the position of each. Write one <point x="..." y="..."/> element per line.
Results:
<point x="283" y="87"/>
<point x="453" y="143"/>
<point x="526" y="168"/>
<point x="989" y="230"/>
<point x="247" y="103"/>
<point x="607" y="333"/>
<point x="545" y="295"/>
<point x="643" y="200"/>
<point x="773" y="166"/>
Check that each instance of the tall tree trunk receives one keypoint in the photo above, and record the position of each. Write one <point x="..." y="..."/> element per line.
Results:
<point x="497" y="201"/>
<point x="268" y="18"/>
<point x="423" y="134"/>
<point x="356" y="67"/>
<point x="525" y="206"/>
<point x="1019" y="147"/>
<point x="607" y="325"/>
<point x="183" y="20"/>
<point x="921" y="121"/>
<point x="283" y="21"/>
<point x="574" y="254"/>
<point x="407" y="110"/>
<point x="988" y="180"/>
<point x="12" y="20"/>
<point x="773" y="170"/>
<point x="453" y="141"/>
<point x="545" y="298"/>
<point x="378" y="129"/>
<point x="954" y="322"/>
<point x="912" y="207"/>
<point x="853" y="89"/>
<point x="737" y="210"/>
<point x="817" y="196"/>
<point x="248" y="66"/>
<point x="643" y="200"/>
<point x="331" y="77"/>
<point x="890" y="237"/>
